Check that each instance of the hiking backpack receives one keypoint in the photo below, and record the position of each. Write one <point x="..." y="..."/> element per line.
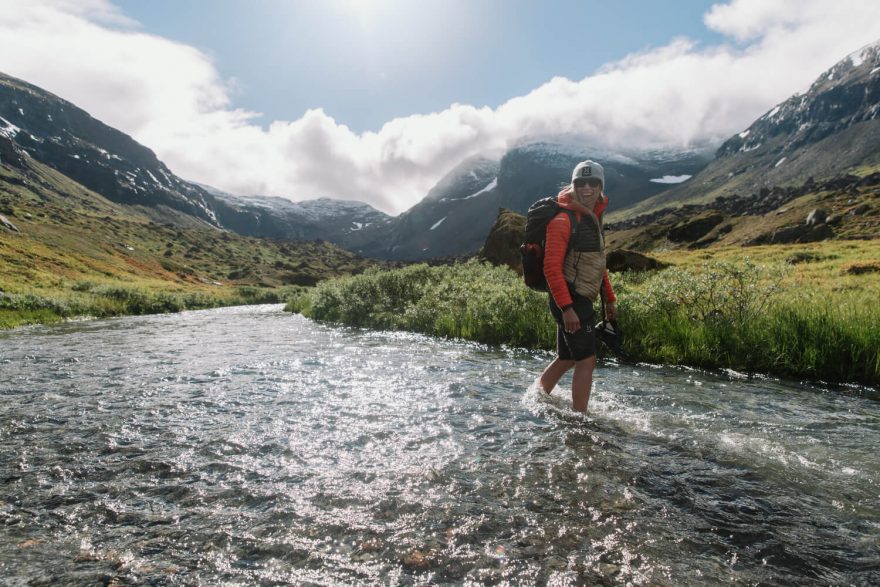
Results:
<point x="532" y="250"/>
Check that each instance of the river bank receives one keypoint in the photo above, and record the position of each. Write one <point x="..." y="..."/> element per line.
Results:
<point x="785" y="311"/>
<point x="106" y="299"/>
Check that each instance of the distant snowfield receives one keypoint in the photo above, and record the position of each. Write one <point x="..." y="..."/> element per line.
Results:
<point x="438" y="223"/>
<point x="492" y="185"/>
<point x="7" y="129"/>
<point x="672" y="179"/>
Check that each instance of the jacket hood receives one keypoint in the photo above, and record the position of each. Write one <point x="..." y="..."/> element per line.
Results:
<point x="565" y="198"/>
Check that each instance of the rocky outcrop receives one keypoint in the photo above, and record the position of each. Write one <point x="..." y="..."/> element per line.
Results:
<point x="505" y="237"/>
<point x="817" y="216"/>
<point x="695" y="228"/>
<point x="758" y="203"/>
<point x="801" y="233"/>
<point x="9" y="154"/>
<point x="625" y="260"/>
<point x="5" y="223"/>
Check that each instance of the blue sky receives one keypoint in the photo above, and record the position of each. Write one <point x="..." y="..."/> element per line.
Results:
<point x="376" y="100"/>
<point x="366" y="62"/>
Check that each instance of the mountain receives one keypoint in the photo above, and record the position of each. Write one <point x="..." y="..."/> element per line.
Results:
<point x="57" y="235"/>
<point x="537" y="169"/>
<point x="829" y="131"/>
<point x="107" y="161"/>
<point x="103" y="159"/>
<point x="453" y="218"/>
<point x="347" y="223"/>
<point x="458" y="213"/>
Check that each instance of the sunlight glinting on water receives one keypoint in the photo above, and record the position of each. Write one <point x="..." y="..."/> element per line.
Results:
<point x="243" y="445"/>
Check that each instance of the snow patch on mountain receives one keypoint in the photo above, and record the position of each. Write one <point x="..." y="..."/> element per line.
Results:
<point x="328" y="207"/>
<point x="672" y="179"/>
<point x="438" y="223"/>
<point x="861" y="55"/>
<point x="492" y="185"/>
<point x="573" y="147"/>
<point x="8" y="129"/>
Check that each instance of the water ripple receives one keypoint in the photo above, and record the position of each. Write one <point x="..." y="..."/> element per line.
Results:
<point x="245" y="445"/>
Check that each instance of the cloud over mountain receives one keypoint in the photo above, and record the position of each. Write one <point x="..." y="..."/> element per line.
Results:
<point x="170" y="97"/>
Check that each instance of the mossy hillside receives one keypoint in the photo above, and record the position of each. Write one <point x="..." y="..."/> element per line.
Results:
<point x="68" y="235"/>
<point x="857" y="212"/>
<point x="783" y="310"/>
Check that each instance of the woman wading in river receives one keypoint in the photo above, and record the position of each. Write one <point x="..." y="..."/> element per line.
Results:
<point x="574" y="265"/>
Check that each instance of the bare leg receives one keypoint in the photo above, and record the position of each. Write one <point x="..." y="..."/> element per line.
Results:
<point x="581" y="383"/>
<point x="553" y="373"/>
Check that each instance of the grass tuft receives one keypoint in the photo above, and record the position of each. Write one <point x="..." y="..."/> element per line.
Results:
<point x="741" y="315"/>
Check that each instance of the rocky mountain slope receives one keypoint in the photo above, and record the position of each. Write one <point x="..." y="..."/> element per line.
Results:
<point x="538" y="169"/>
<point x="457" y="215"/>
<point x="829" y="131"/>
<point x="347" y="223"/>
<point x="453" y="218"/>
<point x="55" y="234"/>
<point x="105" y="160"/>
<point x="109" y="162"/>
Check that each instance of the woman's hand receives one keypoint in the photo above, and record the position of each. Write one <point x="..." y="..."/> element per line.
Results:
<point x="610" y="311"/>
<point x="571" y="321"/>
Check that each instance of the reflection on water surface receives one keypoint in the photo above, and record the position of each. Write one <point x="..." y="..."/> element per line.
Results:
<point x="245" y="445"/>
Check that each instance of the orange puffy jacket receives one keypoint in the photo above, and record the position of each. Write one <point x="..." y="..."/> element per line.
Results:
<point x="556" y="247"/>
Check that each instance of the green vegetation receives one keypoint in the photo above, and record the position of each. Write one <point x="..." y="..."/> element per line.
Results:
<point x="805" y="317"/>
<point x="104" y="300"/>
<point x="473" y="300"/>
<point x="75" y="253"/>
<point x="741" y="316"/>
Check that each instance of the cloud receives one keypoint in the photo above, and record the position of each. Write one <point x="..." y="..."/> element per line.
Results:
<point x="170" y="97"/>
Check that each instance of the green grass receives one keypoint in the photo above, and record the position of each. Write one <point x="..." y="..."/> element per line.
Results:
<point x="77" y="254"/>
<point x="473" y="300"/>
<point x="87" y="298"/>
<point x="746" y="315"/>
<point x="703" y="318"/>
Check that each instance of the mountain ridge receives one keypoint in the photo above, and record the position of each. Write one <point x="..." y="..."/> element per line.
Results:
<point x="829" y="130"/>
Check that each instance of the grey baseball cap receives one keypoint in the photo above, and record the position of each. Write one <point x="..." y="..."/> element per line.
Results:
<point x="588" y="169"/>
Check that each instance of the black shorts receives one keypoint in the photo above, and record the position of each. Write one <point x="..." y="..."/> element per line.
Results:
<point x="577" y="345"/>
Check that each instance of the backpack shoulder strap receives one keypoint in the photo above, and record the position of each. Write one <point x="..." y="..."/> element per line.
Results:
<point x="572" y="221"/>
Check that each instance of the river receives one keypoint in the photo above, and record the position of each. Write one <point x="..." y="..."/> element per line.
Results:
<point x="244" y="446"/>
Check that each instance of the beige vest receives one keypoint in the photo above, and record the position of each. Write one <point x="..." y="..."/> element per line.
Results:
<point x="584" y="264"/>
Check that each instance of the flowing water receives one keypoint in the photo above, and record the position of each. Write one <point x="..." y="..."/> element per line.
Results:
<point x="247" y="446"/>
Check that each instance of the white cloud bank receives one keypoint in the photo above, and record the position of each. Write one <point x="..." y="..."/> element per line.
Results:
<point x="170" y="97"/>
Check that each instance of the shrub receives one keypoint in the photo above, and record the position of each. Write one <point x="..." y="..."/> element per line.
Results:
<point x="471" y="300"/>
<point x="720" y="314"/>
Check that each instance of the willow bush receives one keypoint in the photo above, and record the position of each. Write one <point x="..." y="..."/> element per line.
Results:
<point x="87" y="298"/>
<point x="719" y="315"/>
<point x="740" y="316"/>
<point x="471" y="300"/>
